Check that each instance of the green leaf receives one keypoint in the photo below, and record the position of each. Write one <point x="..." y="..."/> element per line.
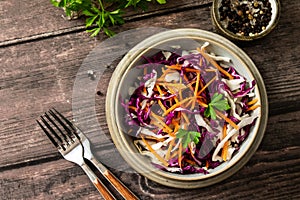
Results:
<point x="96" y="10"/>
<point x="207" y="111"/>
<point x="88" y="13"/>
<point x="181" y="133"/>
<point x="96" y="31"/>
<point x="115" y="12"/>
<point x="195" y="133"/>
<point x="221" y="105"/>
<point x="102" y="18"/>
<point x="213" y="114"/>
<point x="108" y="32"/>
<point x="216" y="103"/>
<point x="68" y="12"/>
<point x="55" y="3"/>
<point x="62" y="3"/>
<point x="161" y="1"/>
<point x="132" y="3"/>
<point x="188" y="137"/>
<point x="186" y="141"/>
<point x="112" y="20"/>
<point x="216" y="97"/>
<point x="89" y="21"/>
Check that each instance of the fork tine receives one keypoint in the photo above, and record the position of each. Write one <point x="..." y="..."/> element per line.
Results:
<point x="65" y="119"/>
<point x="58" y="128"/>
<point x="67" y="129"/>
<point x="48" y="134"/>
<point x="51" y="129"/>
<point x="70" y="124"/>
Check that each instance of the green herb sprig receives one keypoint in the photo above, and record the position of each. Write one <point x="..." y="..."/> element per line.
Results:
<point x="100" y="17"/>
<point x="217" y="102"/>
<point x="188" y="137"/>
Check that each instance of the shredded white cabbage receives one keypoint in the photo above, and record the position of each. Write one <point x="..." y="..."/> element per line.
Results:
<point x="201" y="122"/>
<point x="245" y="121"/>
<point x="173" y="76"/>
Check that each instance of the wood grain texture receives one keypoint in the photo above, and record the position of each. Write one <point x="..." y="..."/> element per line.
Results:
<point x="31" y="20"/>
<point x="263" y="177"/>
<point x="39" y="72"/>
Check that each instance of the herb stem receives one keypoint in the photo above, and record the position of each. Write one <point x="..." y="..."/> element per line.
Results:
<point x="101" y="5"/>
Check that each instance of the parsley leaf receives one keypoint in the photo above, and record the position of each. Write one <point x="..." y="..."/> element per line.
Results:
<point x="188" y="137"/>
<point x="98" y="13"/>
<point x="217" y="102"/>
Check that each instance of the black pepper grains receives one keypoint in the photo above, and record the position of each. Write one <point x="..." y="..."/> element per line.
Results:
<point x="246" y="18"/>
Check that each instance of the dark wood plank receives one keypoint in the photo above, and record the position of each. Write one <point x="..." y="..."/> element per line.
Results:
<point x="31" y="20"/>
<point x="40" y="78"/>
<point x="263" y="177"/>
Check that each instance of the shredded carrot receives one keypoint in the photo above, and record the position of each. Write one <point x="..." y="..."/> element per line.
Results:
<point x="197" y="84"/>
<point x="178" y="67"/>
<point x="188" y="104"/>
<point x="225" y="147"/>
<point x="159" y="101"/>
<point x="179" y="154"/>
<point x="254" y="101"/>
<point x="132" y="107"/>
<point x="176" y="105"/>
<point x="191" y="151"/>
<point x="207" y="84"/>
<point x="180" y="91"/>
<point x="196" y="89"/>
<point x="191" y="162"/>
<point x="174" y="154"/>
<point x="165" y="163"/>
<point x="160" y="120"/>
<point x="190" y="83"/>
<point x="215" y="64"/>
<point x="186" y="118"/>
<point x="177" y="85"/>
<point x="207" y="164"/>
<point x="201" y="103"/>
<point x="157" y="124"/>
<point x="167" y="157"/>
<point x="183" y="114"/>
<point x="162" y="105"/>
<point x="176" y="128"/>
<point x="211" y="70"/>
<point x="165" y="72"/>
<point x="153" y="138"/>
<point x="227" y="120"/>
<point x="144" y="90"/>
<point x="200" y="62"/>
<point x="159" y="90"/>
<point x="253" y="107"/>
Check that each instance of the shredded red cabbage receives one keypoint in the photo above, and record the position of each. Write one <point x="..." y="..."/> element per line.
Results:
<point x="186" y="120"/>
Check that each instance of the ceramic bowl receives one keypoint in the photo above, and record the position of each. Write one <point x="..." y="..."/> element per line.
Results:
<point x="221" y="27"/>
<point x="123" y="78"/>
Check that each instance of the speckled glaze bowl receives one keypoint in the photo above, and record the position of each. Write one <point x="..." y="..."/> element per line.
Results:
<point x="220" y="27"/>
<point x="123" y="77"/>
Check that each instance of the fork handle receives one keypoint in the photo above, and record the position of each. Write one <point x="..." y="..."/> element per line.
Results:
<point x="118" y="185"/>
<point x="106" y="194"/>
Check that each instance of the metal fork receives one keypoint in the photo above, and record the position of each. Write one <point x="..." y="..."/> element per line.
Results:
<point x="70" y="147"/>
<point x="73" y="143"/>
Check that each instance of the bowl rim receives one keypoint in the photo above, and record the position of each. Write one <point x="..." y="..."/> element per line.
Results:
<point x="120" y="139"/>
<point x="274" y="21"/>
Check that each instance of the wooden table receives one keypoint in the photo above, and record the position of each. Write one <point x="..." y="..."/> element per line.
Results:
<point x="40" y="56"/>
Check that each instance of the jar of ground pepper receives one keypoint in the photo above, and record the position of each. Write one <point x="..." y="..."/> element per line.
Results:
<point x="245" y="20"/>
